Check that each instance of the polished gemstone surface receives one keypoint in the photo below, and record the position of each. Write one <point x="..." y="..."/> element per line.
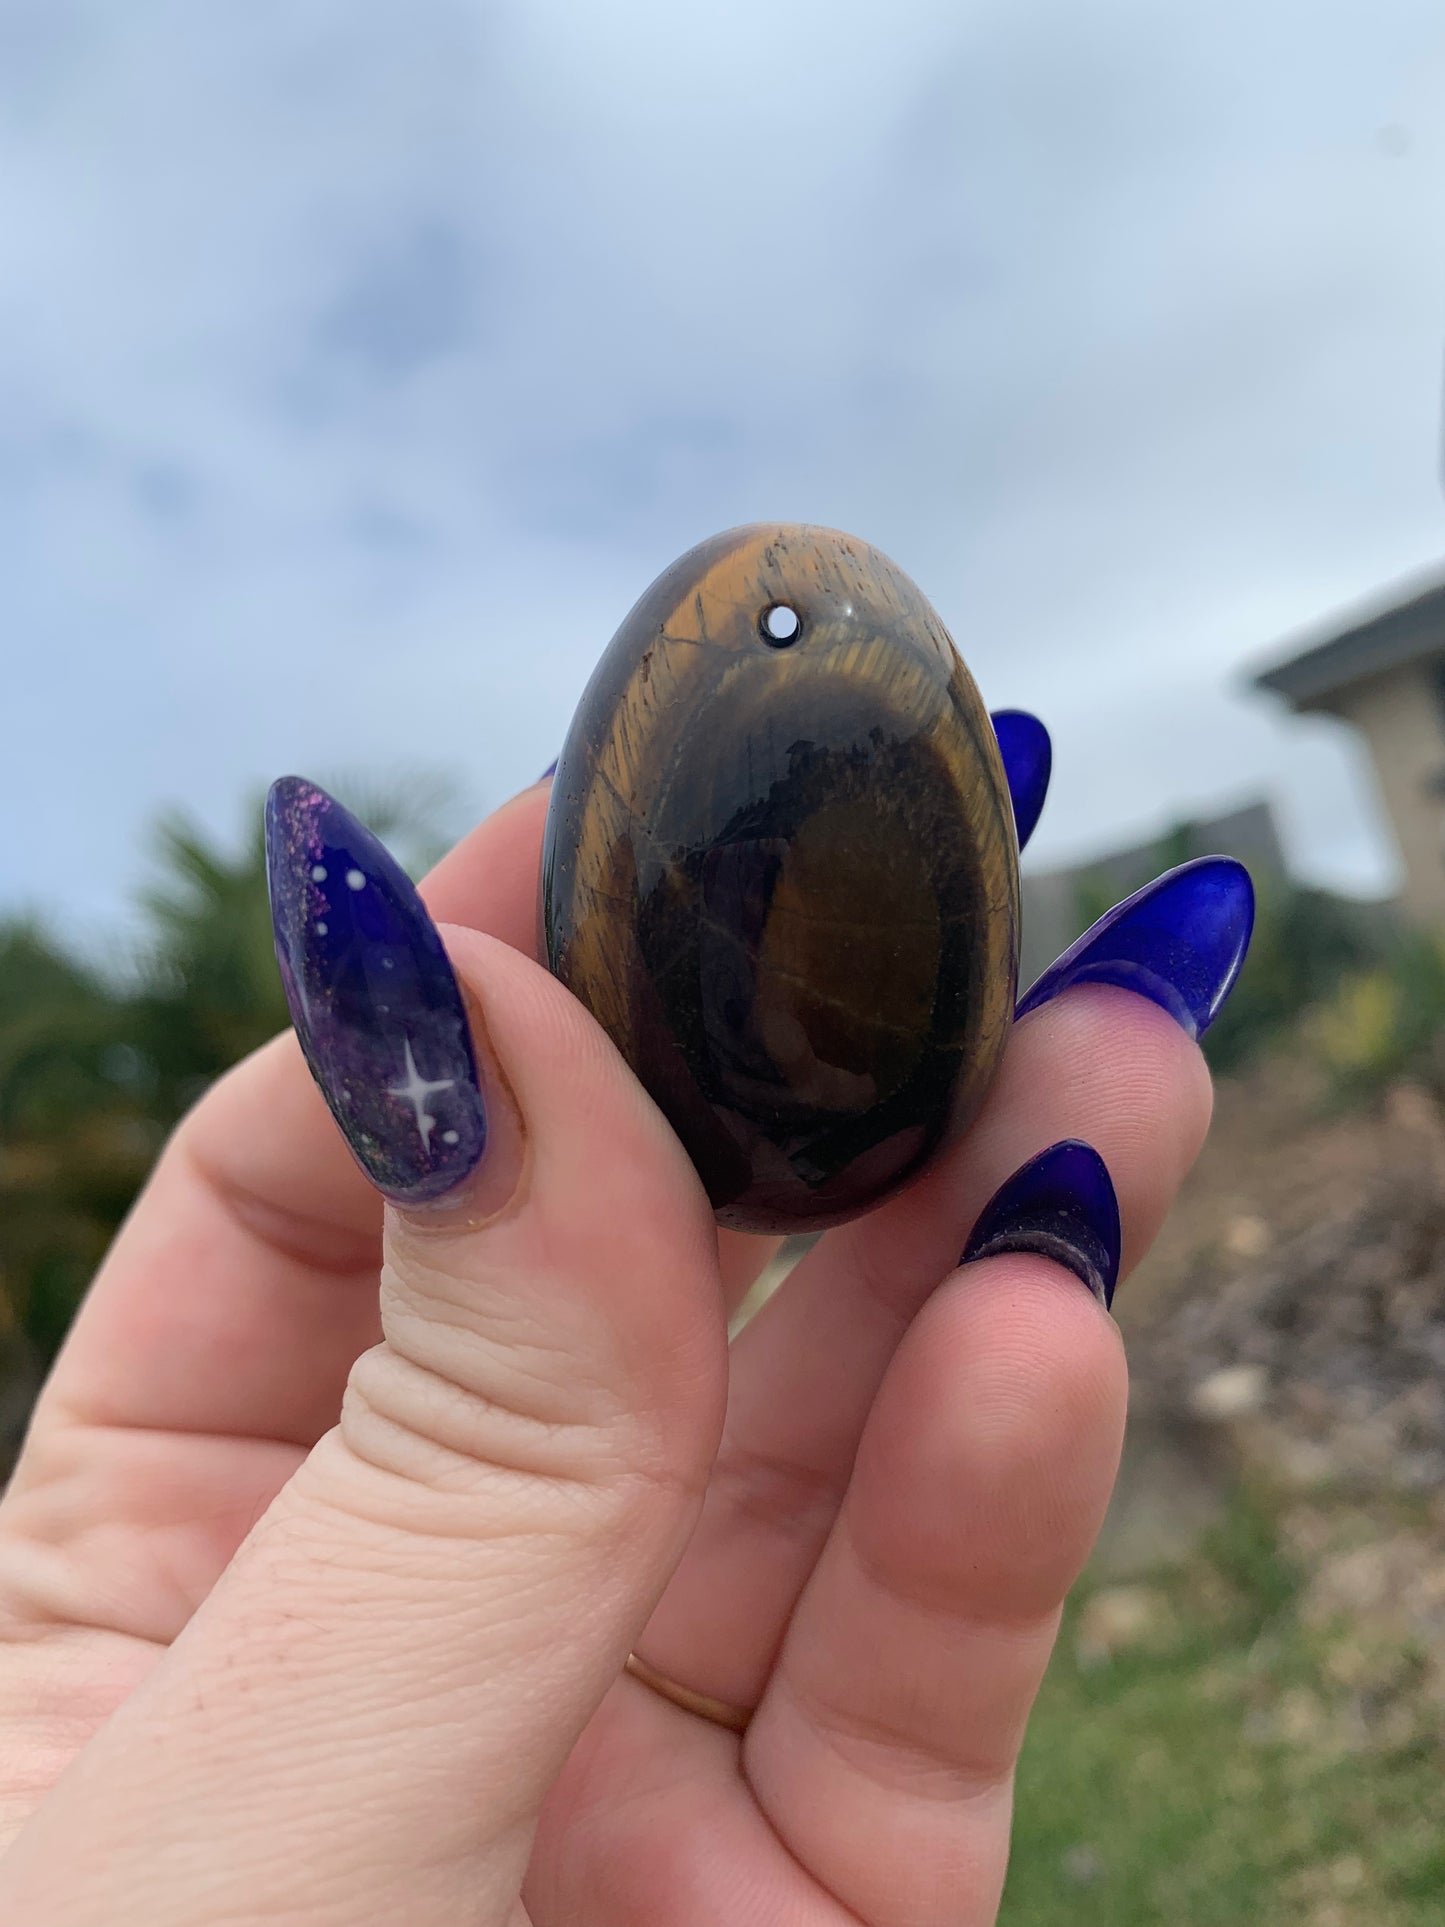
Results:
<point x="780" y="869"/>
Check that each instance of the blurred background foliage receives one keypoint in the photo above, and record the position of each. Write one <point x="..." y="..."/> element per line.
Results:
<point x="101" y="1056"/>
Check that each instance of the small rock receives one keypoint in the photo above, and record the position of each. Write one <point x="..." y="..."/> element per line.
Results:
<point x="1234" y="1392"/>
<point x="1083" y="1867"/>
<point x="1304" y="1465"/>
<point x="1299" y="1718"/>
<point x="1246" y="1236"/>
<point x="1410" y="1108"/>
<point x="1359" y="1580"/>
<point x="1348" y="1874"/>
<point x="1115" y="1619"/>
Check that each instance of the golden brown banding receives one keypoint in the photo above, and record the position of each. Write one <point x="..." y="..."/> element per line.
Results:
<point x="785" y="878"/>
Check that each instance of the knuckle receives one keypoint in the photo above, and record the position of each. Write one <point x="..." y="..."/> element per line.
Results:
<point x="436" y="1428"/>
<point x="779" y="1494"/>
<point x="900" y="1754"/>
<point x="431" y="1453"/>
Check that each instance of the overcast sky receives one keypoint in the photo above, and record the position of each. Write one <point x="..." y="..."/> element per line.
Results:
<point x="361" y="363"/>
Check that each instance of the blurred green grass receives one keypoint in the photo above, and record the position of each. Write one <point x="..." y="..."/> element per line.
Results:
<point x="1213" y="1770"/>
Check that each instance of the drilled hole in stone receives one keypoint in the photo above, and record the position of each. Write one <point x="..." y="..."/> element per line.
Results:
<point x="780" y="625"/>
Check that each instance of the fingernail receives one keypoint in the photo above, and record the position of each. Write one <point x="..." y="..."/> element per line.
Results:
<point x="551" y="769"/>
<point x="1028" y="759"/>
<point x="374" y="1000"/>
<point x="1061" y="1204"/>
<point x="1181" y="941"/>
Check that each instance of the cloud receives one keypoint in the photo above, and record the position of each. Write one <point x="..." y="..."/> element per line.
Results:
<point x="360" y="366"/>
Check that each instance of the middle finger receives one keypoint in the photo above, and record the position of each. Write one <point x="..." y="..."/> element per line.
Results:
<point x="1096" y="1063"/>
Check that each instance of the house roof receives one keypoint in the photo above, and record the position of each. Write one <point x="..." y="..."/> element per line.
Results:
<point x="1407" y="624"/>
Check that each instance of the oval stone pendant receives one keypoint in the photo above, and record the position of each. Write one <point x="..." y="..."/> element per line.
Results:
<point x="780" y="869"/>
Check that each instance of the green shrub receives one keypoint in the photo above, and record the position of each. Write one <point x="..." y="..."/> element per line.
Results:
<point x="97" y="1065"/>
<point x="1387" y="1022"/>
<point x="1306" y="944"/>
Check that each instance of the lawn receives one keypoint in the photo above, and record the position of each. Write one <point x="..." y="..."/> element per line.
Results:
<point x="1204" y="1754"/>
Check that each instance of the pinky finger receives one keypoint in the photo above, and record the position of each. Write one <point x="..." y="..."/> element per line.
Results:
<point x="884" y="1748"/>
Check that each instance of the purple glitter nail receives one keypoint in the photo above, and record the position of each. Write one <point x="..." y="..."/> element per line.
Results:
<point x="373" y="997"/>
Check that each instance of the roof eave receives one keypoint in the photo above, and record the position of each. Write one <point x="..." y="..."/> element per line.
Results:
<point x="1386" y="636"/>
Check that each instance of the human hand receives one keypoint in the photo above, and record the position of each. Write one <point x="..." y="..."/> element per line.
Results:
<point x="259" y="1663"/>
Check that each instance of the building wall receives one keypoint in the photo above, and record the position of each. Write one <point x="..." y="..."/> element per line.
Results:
<point x="1401" y="717"/>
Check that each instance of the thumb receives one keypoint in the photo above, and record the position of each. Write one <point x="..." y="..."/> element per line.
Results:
<point x="362" y="1720"/>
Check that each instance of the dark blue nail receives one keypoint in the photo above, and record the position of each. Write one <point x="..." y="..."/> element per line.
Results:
<point x="551" y="769"/>
<point x="1028" y="759"/>
<point x="1062" y="1205"/>
<point x="1180" y="941"/>
<point x="373" y="998"/>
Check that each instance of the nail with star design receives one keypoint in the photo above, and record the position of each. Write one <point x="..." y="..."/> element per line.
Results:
<point x="374" y="1000"/>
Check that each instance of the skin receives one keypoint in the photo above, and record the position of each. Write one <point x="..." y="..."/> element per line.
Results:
<point x="314" y="1608"/>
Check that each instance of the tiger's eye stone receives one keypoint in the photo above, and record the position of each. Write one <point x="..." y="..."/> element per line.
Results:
<point x="780" y="869"/>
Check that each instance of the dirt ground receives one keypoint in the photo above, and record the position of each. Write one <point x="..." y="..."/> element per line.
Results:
<point x="1288" y="1331"/>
